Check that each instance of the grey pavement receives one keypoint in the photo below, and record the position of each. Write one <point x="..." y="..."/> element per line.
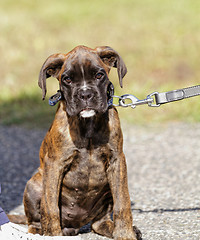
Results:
<point x="163" y="169"/>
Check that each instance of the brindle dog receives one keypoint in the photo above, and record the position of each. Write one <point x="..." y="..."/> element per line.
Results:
<point x="82" y="176"/>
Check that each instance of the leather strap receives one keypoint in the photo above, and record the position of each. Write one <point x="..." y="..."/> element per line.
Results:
<point x="180" y="94"/>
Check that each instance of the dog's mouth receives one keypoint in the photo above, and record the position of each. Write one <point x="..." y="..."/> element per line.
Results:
<point x="87" y="113"/>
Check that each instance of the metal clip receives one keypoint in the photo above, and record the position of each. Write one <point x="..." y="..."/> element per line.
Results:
<point x="150" y="97"/>
<point x="116" y="105"/>
<point x="134" y="101"/>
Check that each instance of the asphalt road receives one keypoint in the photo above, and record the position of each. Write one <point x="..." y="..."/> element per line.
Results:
<point x="163" y="170"/>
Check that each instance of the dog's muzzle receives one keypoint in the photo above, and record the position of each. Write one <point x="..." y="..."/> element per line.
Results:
<point x="85" y="97"/>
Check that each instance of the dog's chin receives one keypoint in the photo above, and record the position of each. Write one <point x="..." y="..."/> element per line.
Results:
<point x="87" y="113"/>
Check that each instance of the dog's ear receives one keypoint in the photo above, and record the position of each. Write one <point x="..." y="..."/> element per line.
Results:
<point x="50" y="68"/>
<point x="111" y="58"/>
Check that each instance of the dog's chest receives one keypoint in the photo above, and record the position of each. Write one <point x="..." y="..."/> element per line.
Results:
<point x="87" y="170"/>
<point x="85" y="186"/>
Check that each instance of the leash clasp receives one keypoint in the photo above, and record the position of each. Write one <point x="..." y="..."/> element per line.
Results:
<point x="152" y="104"/>
<point x="124" y="101"/>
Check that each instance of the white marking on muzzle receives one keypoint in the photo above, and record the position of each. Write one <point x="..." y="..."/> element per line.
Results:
<point x="87" y="113"/>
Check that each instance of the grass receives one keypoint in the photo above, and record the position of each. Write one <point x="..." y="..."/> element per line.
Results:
<point x="27" y="110"/>
<point x="159" y="42"/>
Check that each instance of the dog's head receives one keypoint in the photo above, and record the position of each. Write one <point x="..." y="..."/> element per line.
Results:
<point x="83" y="78"/>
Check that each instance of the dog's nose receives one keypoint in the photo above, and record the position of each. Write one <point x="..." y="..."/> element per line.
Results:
<point x="86" y="95"/>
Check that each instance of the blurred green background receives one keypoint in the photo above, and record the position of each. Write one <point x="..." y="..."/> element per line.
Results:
<point x="158" y="40"/>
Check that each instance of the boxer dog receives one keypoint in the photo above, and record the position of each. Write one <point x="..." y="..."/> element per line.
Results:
<point x="82" y="176"/>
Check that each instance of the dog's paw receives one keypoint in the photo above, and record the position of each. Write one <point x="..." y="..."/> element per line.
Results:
<point x="53" y="231"/>
<point x="70" y="231"/>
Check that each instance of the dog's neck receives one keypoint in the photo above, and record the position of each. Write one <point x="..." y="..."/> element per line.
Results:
<point x="87" y="127"/>
<point x="89" y="131"/>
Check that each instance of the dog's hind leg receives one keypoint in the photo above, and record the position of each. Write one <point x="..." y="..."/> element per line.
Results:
<point x="32" y="198"/>
<point x="103" y="225"/>
<point x="17" y="219"/>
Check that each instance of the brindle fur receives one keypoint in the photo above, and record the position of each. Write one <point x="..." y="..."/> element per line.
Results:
<point x="82" y="176"/>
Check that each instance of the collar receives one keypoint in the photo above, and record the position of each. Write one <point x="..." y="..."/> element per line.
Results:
<point x="55" y="98"/>
<point x="110" y="93"/>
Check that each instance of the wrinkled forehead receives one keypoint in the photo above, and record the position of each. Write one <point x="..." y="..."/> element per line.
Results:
<point x="83" y="61"/>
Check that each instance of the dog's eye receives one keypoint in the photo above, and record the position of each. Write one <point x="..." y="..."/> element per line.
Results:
<point x="99" y="75"/>
<point x="66" y="79"/>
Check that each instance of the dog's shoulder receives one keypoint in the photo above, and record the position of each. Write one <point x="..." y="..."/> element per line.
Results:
<point x="59" y="127"/>
<point x="114" y="121"/>
<point x="116" y="136"/>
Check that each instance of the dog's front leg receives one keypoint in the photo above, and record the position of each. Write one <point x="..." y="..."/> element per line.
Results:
<point x="50" y="213"/>
<point x="122" y="216"/>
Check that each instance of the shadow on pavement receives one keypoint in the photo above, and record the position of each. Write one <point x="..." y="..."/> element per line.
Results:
<point x="162" y="210"/>
<point x="19" y="158"/>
